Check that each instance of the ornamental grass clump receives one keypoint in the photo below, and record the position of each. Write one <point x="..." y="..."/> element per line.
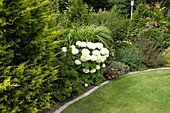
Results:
<point x="89" y="60"/>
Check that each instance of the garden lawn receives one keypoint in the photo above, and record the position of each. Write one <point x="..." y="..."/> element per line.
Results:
<point x="145" y="92"/>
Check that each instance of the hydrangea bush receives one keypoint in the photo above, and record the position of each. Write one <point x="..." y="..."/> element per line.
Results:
<point x="89" y="60"/>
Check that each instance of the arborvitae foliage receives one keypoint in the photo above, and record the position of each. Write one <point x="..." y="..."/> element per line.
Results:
<point x="27" y="57"/>
<point x="78" y="12"/>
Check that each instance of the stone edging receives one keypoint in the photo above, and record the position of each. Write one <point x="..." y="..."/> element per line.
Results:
<point x="80" y="97"/>
<point x="149" y="70"/>
<point x="96" y="87"/>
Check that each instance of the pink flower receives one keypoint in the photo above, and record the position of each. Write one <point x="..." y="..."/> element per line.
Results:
<point x="147" y="18"/>
<point x="144" y="30"/>
<point x="135" y="40"/>
<point x="131" y="35"/>
<point x="152" y="23"/>
<point x="149" y="28"/>
<point x="138" y="37"/>
<point x="147" y="25"/>
<point x="166" y="30"/>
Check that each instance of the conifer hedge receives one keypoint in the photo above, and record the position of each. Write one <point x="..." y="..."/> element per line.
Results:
<point x="28" y="63"/>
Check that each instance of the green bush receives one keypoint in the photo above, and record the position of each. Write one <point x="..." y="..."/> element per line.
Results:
<point x="131" y="58"/>
<point x="166" y="55"/>
<point x="150" y="50"/>
<point x="77" y="14"/>
<point x="147" y="24"/>
<point x="88" y="33"/>
<point x="167" y="60"/>
<point x="113" y="20"/>
<point x="28" y="64"/>
<point x="122" y="68"/>
<point x="69" y="82"/>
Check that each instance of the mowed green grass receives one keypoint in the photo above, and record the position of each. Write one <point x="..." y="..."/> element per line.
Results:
<point x="145" y="92"/>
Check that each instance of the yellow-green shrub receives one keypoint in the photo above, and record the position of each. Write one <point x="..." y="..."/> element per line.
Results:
<point x="28" y="63"/>
<point x="167" y="60"/>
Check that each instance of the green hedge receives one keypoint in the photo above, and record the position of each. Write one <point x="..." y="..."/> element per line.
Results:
<point x="28" y="63"/>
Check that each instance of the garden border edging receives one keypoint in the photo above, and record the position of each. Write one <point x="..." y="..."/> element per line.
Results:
<point x="96" y="87"/>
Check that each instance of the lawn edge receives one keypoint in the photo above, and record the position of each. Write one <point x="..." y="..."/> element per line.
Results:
<point x="96" y="87"/>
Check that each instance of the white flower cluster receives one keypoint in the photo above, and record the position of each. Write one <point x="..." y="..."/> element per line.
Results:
<point x="89" y="52"/>
<point x="64" y="49"/>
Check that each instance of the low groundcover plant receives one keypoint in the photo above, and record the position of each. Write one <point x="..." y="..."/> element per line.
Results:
<point x="89" y="60"/>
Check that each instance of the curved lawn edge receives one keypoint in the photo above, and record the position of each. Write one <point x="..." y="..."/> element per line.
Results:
<point x="96" y="87"/>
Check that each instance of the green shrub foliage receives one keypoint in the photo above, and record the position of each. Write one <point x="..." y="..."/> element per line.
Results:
<point x="69" y="82"/>
<point x="167" y="60"/>
<point x="78" y="13"/>
<point x="89" y="33"/>
<point x="27" y="57"/>
<point x="166" y="55"/>
<point x="150" y="50"/>
<point x="113" y="20"/>
<point x="131" y="58"/>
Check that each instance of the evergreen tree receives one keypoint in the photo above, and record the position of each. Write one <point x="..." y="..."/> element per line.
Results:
<point x="28" y="39"/>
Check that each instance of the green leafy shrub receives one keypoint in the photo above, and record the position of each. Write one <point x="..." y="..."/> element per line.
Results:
<point x="150" y="50"/>
<point x="131" y="58"/>
<point x="71" y="78"/>
<point x="113" y="20"/>
<point x="150" y="37"/>
<point x="115" y="69"/>
<point x="139" y="16"/>
<point x="122" y="68"/>
<point x="167" y="60"/>
<point x="69" y="82"/>
<point x="28" y="64"/>
<point x="88" y="33"/>
<point x="88" y="58"/>
<point x="150" y="30"/>
<point x="166" y="55"/>
<point x="77" y="14"/>
<point x="147" y="24"/>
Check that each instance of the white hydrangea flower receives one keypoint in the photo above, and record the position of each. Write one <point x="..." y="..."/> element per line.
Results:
<point x="104" y="65"/>
<point x="104" y="51"/>
<point x="73" y="46"/>
<point x="96" y="52"/>
<point x="85" y="51"/>
<point x="75" y="51"/>
<point x="97" y="67"/>
<point x="93" y="71"/>
<point x="91" y="45"/>
<point x="93" y="58"/>
<point x="104" y="57"/>
<point x="83" y="44"/>
<point x="86" y="85"/>
<point x="64" y="49"/>
<point x="85" y="57"/>
<point x="86" y="70"/>
<point x="99" y="59"/>
<point x="78" y="43"/>
<point x="77" y="62"/>
<point x="99" y="45"/>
